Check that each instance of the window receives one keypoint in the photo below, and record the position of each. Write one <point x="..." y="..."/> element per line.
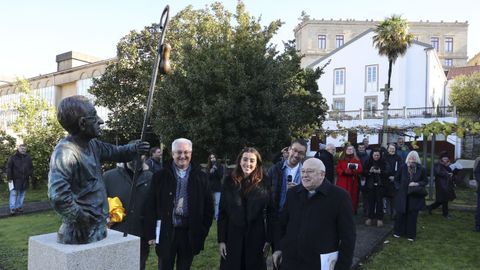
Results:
<point x="46" y="93"/>
<point x="339" y="81"/>
<point x="370" y="106"/>
<point x="339" y="41"/>
<point x="82" y="89"/>
<point x="322" y="41"/>
<point x="338" y="104"/>
<point x="448" y="44"/>
<point x="448" y="62"/>
<point x="371" y="78"/>
<point x="434" y="42"/>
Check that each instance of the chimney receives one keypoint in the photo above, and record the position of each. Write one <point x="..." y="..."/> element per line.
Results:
<point x="73" y="59"/>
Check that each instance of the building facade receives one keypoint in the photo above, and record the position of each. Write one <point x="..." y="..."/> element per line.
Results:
<point x="74" y="76"/>
<point x="317" y="38"/>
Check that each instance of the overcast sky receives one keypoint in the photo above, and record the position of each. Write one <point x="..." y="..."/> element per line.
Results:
<point x="33" y="32"/>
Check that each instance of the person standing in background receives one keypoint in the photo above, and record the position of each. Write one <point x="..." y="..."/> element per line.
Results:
<point x="19" y="171"/>
<point x="215" y="173"/>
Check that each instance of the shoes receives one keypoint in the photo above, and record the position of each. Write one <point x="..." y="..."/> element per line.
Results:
<point x="19" y="210"/>
<point x="448" y="217"/>
<point x="411" y="239"/>
<point x="368" y="222"/>
<point x="396" y="235"/>
<point x="12" y="212"/>
<point x="379" y="223"/>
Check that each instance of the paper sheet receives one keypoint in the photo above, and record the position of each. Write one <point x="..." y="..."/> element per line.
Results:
<point x="328" y="260"/>
<point x="10" y="185"/>
<point x="157" y="231"/>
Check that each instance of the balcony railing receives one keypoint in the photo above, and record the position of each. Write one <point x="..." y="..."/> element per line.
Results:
<point x="403" y="113"/>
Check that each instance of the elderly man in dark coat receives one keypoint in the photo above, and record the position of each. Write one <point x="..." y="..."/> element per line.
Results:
<point x="19" y="171"/>
<point x="181" y="212"/>
<point x="317" y="221"/>
<point x="75" y="184"/>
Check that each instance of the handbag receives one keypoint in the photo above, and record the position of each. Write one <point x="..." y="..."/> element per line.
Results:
<point x="419" y="191"/>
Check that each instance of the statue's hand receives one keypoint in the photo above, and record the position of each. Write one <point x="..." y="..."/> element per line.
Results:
<point x="142" y="147"/>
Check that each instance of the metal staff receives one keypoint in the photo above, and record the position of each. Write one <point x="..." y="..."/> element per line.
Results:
<point x="161" y="63"/>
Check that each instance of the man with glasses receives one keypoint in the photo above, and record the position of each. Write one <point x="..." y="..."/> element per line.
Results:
<point x="316" y="225"/>
<point x="75" y="184"/>
<point x="286" y="174"/>
<point x="181" y="212"/>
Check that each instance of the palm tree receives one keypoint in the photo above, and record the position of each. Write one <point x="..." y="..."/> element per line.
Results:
<point x="392" y="40"/>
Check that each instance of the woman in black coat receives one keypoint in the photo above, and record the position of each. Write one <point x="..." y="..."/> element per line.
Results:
<point x="375" y="173"/>
<point x="407" y="206"/>
<point x="444" y="187"/>
<point x="244" y="230"/>
<point x="394" y="163"/>
<point x="215" y="175"/>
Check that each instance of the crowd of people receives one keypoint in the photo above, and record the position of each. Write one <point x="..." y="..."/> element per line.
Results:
<point x="300" y="209"/>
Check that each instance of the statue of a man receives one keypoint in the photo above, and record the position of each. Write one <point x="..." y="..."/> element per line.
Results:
<point x="75" y="186"/>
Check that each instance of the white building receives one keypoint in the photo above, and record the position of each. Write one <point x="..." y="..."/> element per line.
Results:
<point x="354" y="77"/>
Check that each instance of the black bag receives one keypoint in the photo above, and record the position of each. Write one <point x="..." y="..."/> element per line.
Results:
<point x="419" y="191"/>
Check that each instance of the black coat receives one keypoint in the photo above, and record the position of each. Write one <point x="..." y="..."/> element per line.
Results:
<point x="378" y="180"/>
<point x="19" y="169"/>
<point x="244" y="225"/>
<point x="444" y="190"/>
<point x="394" y="163"/>
<point x="415" y="203"/>
<point x="118" y="183"/>
<point x="313" y="226"/>
<point x="329" y="162"/>
<point x="200" y="207"/>
<point x="215" y="178"/>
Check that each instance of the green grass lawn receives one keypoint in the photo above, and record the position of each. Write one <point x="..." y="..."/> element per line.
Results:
<point x="32" y="195"/>
<point x="441" y="244"/>
<point x="14" y="233"/>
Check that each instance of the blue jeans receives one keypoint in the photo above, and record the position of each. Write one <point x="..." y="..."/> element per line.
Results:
<point x="16" y="199"/>
<point x="216" y="196"/>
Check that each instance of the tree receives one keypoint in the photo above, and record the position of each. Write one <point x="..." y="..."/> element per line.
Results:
<point x="465" y="94"/>
<point x="392" y="40"/>
<point x="7" y="148"/>
<point x="229" y="87"/>
<point x="38" y="128"/>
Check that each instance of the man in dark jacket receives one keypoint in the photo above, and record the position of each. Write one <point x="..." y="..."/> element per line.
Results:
<point x="155" y="161"/>
<point x="118" y="183"/>
<point x="286" y="174"/>
<point x="326" y="156"/>
<point x="182" y="209"/>
<point x="317" y="221"/>
<point x="19" y="171"/>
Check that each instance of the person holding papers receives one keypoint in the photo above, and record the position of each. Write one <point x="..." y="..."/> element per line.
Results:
<point x="316" y="226"/>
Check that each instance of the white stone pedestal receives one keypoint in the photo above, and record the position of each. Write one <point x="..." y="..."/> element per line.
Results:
<point x="113" y="252"/>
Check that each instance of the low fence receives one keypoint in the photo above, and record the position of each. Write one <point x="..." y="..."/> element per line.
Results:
<point x="395" y="113"/>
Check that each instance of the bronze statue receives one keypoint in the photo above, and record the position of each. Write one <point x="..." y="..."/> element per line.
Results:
<point x="75" y="186"/>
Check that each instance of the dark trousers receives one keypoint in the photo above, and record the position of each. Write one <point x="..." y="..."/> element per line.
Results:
<point x="375" y="203"/>
<point x="144" y="250"/>
<point x="444" y="205"/>
<point x="406" y="224"/>
<point x="179" y="249"/>
<point x="477" y="215"/>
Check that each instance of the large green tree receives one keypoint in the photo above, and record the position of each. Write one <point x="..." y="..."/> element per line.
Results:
<point x="38" y="128"/>
<point x="7" y="148"/>
<point x="465" y="95"/>
<point x="229" y="87"/>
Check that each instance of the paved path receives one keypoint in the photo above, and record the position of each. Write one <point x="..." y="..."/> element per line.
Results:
<point x="30" y="207"/>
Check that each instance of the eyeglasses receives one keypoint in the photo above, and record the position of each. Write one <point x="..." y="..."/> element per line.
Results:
<point x="179" y="153"/>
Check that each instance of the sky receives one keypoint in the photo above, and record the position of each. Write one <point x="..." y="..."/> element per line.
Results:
<point x="33" y="32"/>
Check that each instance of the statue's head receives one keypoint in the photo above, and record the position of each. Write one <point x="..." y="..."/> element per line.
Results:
<point x="78" y="116"/>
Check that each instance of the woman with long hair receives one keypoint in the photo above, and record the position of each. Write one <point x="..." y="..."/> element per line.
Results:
<point x="244" y="220"/>
<point x="375" y="173"/>
<point x="349" y="168"/>
<point x="411" y="174"/>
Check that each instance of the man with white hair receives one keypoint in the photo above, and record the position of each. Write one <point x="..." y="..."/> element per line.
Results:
<point x="316" y="222"/>
<point x="182" y="209"/>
